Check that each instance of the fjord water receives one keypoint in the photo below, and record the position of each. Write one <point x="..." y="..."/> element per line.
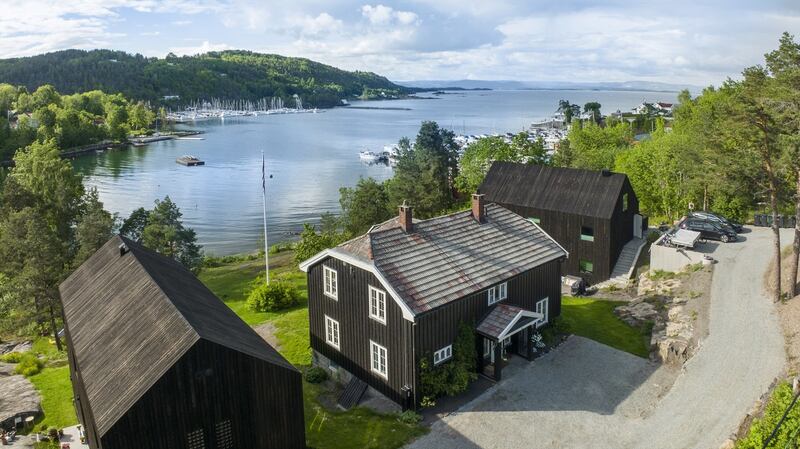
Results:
<point x="310" y="156"/>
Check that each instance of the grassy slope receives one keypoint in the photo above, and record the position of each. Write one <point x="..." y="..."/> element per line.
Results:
<point x="595" y="319"/>
<point x="56" y="390"/>
<point x="324" y="428"/>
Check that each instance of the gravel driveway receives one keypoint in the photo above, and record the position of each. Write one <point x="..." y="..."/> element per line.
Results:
<point x="587" y="395"/>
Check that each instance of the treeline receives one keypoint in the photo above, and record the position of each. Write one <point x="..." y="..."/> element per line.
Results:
<point x="240" y="75"/>
<point x="430" y="175"/>
<point x="733" y="150"/>
<point x="68" y="120"/>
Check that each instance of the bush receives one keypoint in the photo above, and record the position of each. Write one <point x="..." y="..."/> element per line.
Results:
<point x="29" y="365"/>
<point x="761" y="428"/>
<point x="315" y="375"/>
<point x="271" y="298"/>
<point x="11" y="357"/>
<point x="409" y="417"/>
<point x="453" y="376"/>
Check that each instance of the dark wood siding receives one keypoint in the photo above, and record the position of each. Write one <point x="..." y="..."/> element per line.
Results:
<point x="439" y="327"/>
<point x="356" y="328"/>
<point x="622" y="221"/>
<point x="209" y="386"/>
<point x="566" y="230"/>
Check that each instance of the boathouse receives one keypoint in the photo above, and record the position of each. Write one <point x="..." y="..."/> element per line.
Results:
<point x="158" y="362"/>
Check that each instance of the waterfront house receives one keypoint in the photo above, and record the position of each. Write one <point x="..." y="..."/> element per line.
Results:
<point x="594" y="214"/>
<point x="381" y="302"/>
<point x="157" y="361"/>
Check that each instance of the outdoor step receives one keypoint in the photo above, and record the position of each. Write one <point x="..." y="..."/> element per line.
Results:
<point x="352" y="393"/>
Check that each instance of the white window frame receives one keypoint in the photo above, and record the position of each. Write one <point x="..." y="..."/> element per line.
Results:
<point x="375" y="364"/>
<point x="443" y="355"/>
<point x="332" y="333"/>
<point x="330" y="279"/>
<point x="377" y="304"/>
<point x="497" y="293"/>
<point x="543" y="307"/>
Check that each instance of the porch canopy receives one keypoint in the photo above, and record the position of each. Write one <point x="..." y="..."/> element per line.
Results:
<point x="506" y="320"/>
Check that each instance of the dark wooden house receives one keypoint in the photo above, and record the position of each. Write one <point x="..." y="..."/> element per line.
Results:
<point x="593" y="214"/>
<point x="381" y="302"/>
<point x="158" y="362"/>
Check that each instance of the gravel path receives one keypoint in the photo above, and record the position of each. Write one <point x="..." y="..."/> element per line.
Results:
<point x="588" y="395"/>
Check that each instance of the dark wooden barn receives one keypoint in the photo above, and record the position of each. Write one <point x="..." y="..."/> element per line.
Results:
<point x="158" y="362"/>
<point x="592" y="214"/>
<point x="381" y="302"/>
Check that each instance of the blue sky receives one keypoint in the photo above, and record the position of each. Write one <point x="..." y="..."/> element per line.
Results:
<point x="695" y="42"/>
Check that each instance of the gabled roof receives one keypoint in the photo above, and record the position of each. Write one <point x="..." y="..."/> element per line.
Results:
<point x="591" y="193"/>
<point x="132" y="316"/>
<point x="505" y="320"/>
<point x="446" y="258"/>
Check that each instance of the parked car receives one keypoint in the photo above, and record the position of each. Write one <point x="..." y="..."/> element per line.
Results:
<point x="709" y="229"/>
<point x="709" y="216"/>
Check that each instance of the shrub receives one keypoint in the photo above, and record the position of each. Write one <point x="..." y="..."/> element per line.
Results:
<point x="761" y="428"/>
<point x="409" y="417"/>
<point x="29" y="365"/>
<point x="271" y="298"/>
<point x="315" y="375"/>
<point x="453" y="376"/>
<point x="11" y="357"/>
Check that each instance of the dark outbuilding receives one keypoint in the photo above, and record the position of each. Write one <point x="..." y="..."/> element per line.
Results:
<point x="157" y="361"/>
<point x="593" y="214"/>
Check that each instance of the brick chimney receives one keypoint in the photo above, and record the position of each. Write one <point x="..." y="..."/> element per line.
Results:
<point x="406" y="218"/>
<point x="478" y="208"/>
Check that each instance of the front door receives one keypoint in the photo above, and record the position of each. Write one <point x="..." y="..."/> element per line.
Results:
<point x="637" y="226"/>
<point x="488" y="350"/>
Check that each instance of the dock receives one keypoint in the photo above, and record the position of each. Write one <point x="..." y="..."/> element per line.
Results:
<point x="189" y="161"/>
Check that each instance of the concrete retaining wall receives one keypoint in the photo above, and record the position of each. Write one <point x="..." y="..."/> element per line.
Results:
<point x="672" y="259"/>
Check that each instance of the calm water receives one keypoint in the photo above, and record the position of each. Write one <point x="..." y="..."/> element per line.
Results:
<point x="309" y="155"/>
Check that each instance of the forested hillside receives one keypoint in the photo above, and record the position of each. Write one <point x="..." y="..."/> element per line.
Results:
<point x="228" y="74"/>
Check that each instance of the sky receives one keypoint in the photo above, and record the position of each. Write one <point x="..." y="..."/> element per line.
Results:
<point x="697" y="42"/>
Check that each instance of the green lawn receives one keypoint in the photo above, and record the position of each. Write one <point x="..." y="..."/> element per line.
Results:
<point x="359" y="427"/>
<point x="595" y="319"/>
<point x="56" y="390"/>
<point x="231" y="282"/>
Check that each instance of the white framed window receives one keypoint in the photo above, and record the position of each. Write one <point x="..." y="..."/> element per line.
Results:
<point x="443" y="354"/>
<point x="331" y="332"/>
<point x="542" y="306"/>
<point x="331" y="284"/>
<point x="534" y="220"/>
<point x="379" y="362"/>
<point x="497" y="293"/>
<point x="377" y="304"/>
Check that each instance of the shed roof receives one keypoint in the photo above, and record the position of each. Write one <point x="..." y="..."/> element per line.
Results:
<point x="590" y="193"/>
<point x="131" y="317"/>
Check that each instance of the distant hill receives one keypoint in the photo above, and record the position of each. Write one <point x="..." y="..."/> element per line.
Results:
<point x="226" y="74"/>
<point x="650" y="86"/>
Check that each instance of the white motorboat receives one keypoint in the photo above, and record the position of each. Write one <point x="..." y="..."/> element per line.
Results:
<point x="368" y="156"/>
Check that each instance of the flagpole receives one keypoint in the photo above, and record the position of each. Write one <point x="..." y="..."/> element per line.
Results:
<point x="264" y="191"/>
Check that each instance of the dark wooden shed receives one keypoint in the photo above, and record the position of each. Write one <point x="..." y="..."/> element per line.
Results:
<point x="158" y="362"/>
<point x="593" y="214"/>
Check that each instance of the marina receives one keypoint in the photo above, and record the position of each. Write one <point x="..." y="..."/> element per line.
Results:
<point x="310" y="155"/>
<point x="227" y="109"/>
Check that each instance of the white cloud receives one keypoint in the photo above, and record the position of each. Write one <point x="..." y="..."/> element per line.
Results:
<point x="386" y="15"/>
<point x="205" y="47"/>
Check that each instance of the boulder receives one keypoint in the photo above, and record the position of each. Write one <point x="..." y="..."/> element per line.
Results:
<point x="636" y="314"/>
<point x="24" y="346"/>
<point x="673" y="350"/>
<point x="18" y="397"/>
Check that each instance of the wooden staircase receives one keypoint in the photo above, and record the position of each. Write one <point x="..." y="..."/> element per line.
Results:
<point x="352" y="393"/>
